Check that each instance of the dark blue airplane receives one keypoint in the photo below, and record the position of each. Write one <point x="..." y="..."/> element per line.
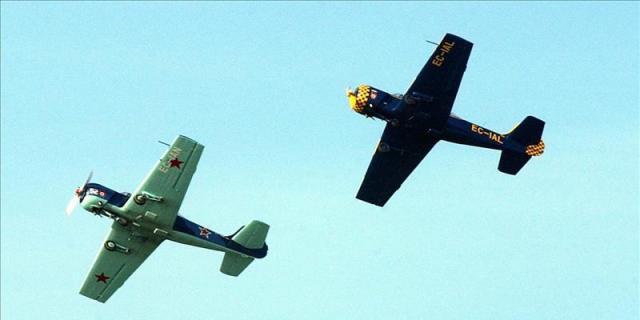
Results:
<point x="421" y="117"/>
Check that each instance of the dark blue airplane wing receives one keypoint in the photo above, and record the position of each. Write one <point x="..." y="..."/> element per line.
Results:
<point x="399" y="152"/>
<point x="440" y="78"/>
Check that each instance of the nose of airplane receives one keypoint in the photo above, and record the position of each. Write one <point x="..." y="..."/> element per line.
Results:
<point x="358" y="99"/>
<point x="352" y="98"/>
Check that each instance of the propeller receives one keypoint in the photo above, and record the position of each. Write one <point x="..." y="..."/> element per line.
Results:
<point x="75" y="200"/>
<point x="349" y="92"/>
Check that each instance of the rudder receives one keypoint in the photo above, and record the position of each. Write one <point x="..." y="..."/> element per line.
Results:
<point x="528" y="132"/>
<point x="527" y="136"/>
<point x="252" y="236"/>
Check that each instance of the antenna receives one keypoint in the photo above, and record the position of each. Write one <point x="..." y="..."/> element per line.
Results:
<point x="437" y="44"/>
<point x="166" y="144"/>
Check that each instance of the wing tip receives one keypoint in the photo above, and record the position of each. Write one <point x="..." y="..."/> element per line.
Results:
<point x="458" y="38"/>
<point x="377" y="201"/>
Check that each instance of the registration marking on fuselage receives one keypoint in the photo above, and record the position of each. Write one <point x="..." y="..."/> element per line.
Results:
<point x="488" y="133"/>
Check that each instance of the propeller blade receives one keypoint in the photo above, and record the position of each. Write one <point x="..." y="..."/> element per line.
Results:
<point x="75" y="200"/>
<point x="88" y="179"/>
<point x="349" y="92"/>
<point x="72" y="205"/>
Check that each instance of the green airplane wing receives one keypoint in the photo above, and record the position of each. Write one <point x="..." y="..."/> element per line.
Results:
<point x="160" y="194"/>
<point x="122" y="253"/>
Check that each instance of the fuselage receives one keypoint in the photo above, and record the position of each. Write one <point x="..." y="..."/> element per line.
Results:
<point x="103" y="201"/>
<point x="394" y="109"/>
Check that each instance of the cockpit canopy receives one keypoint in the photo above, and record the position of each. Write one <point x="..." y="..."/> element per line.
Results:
<point x="112" y="197"/>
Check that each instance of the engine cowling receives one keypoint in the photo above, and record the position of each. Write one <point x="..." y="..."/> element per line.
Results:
<point x="93" y="203"/>
<point x="96" y="197"/>
<point x="371" y="102"/>
<point x="359" y="100"/>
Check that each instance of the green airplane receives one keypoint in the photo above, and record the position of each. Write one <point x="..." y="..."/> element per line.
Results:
<point x="147" y="217"/>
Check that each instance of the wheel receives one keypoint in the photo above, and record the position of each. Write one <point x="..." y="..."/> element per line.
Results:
<point x="408" y="99"/>
<point x="139" y="199"/>
<point x="110" y="245"/>
<point x="383" y="147"/>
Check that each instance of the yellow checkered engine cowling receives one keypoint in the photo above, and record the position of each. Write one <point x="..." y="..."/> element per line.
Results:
<point x="535" y="149"/>
<point x="359" y="102"/>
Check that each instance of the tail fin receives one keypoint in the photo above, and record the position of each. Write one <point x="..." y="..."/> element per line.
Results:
<point x="528" y="135"/>
<point x="251" y="236"/>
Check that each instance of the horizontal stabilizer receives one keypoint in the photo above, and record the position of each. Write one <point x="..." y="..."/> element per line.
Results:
<point x="233" y="264"/>
<point x="511" y="162"/>
<point x="252" y="236"/>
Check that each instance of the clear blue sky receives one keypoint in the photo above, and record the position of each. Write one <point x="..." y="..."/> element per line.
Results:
<point x="93" y="86"/>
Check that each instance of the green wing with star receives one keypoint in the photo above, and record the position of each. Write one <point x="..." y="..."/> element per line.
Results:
<point x="122" y="253"/>
<point x="160" y="194"/>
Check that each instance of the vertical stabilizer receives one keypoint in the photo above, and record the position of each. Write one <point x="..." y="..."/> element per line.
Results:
<point x="252" y="236"/>
<point x="527" y="136"/>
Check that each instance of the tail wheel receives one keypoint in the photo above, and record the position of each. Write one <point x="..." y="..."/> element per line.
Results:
<point x="110" y="245"/>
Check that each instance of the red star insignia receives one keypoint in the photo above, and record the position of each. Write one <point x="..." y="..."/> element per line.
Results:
<point x="101" y="277"/>
<point x="176" y="163"/>
<point x="204" y="232"/>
